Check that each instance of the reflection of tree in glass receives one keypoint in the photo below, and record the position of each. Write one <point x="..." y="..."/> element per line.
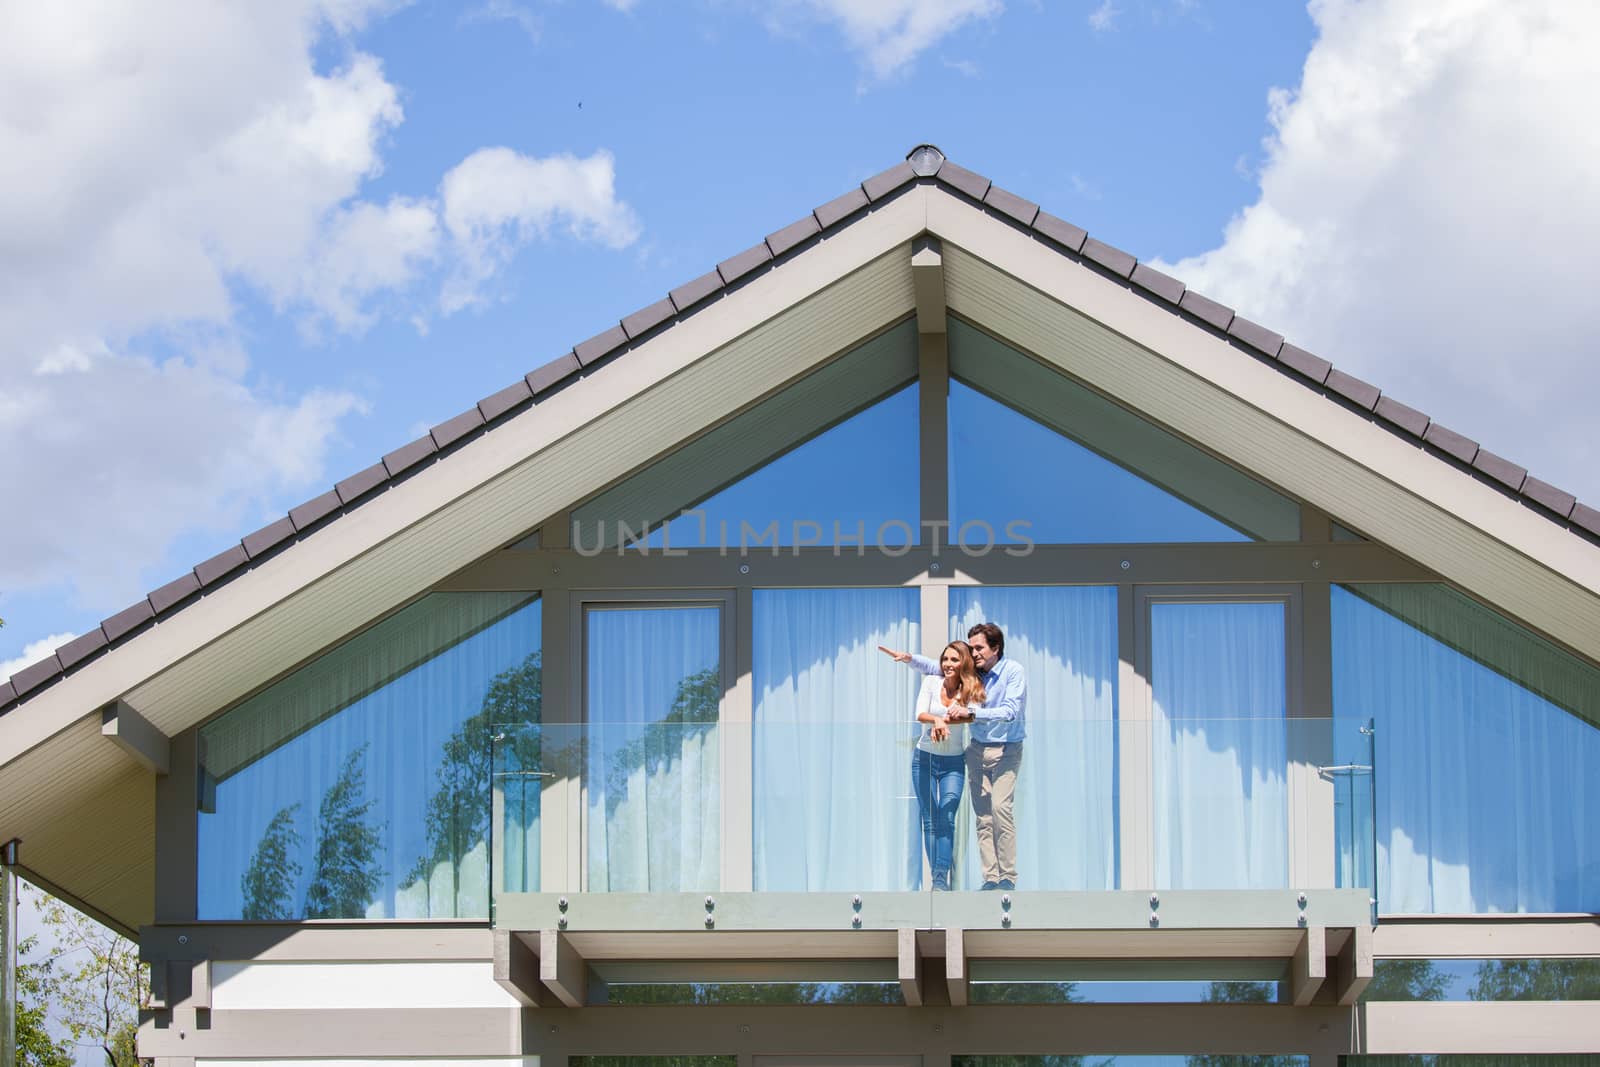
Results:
<point x="1405" y="980"/>
<point x="1241" y="993"/>
<point x="693" y="714"/>
<point x="1030" y="1061"/>
<point x="1025" y="993"/>
<point x="457" y="818"/>
<point x="346" y="874"/>
<point x="268" y="883"/>
<point x="1538" y="980"/>
<point x="738" y="994"/>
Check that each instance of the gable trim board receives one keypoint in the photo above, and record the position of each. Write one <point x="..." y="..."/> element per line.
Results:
<point x="612" y="416"/>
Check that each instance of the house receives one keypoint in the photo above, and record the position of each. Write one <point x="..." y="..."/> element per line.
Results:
<point x="563" y="731"/>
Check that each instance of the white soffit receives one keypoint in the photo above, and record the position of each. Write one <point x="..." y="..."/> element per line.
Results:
<point x="1223" y="399"/>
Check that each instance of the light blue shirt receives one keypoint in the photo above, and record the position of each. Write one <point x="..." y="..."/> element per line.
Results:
<point x="1002" y="719"/>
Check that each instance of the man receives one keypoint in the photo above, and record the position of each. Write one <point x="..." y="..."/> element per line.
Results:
<point x="994" y="749"/>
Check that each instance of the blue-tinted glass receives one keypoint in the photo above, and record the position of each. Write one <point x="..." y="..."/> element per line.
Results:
<point x="1065" y="809"/>
<point x="359" y="787"/>
<point x="1487" y="800"/>
<point x="858" y="477"/>
<point x="1006" y="468"/>
<point x="833" y="741"/>
<point x="653" y="687"/>
<point x="1485" y="980"/>
<point x="1219" y="745"/>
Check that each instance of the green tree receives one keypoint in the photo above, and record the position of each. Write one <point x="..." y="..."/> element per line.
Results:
<point x="94" y="985"/>
<point x="35" y="1046"/>
<point x="1538" y="980"/>
<point x="268" y="884"/>
<point x="1405" y="980"/>
<point x="346" y="874"/>
<point x="458" y="812"/>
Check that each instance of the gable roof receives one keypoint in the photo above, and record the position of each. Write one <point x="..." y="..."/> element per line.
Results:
<point x="925" y="163"/>
<point x="839" y="274"/>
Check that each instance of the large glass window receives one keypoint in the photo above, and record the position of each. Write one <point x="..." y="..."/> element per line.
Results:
<point x="358" y="787"/>
<point x="1029" y="445"/>
<point x="837" y="447"/>
<point x="833" y="741"/>
<point x="1065" y="806"/>
<point x="1485" y="747"/>
<point x="1219" y="746"/>
<point x="653" y="694"/>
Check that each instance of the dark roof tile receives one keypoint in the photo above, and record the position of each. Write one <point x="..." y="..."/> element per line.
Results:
<point x="963" y="180"/>
<point x="841" y="207"/>
<point x="497" y="404"/>
<point x="1546" y="495"/>
<point x="179" y="589"/>
<point x="1257" y="337"/>
<point x="796" y="233"/>
<point x="1207" y="310"/>
<point x="1501" y="470"/>
<point x="1298" y="359"/>
<point x="601" y="344"/>
<point x="1011" y="205"/>
<point x="553" y="373"/>
<point x="269" y="536"/>
<point x="1165" y="286"/>
<point x="1582" y="514"/>
<point x="34" y="675"/>
<point x="736" y="267"/>
<point x="1112" y="259"/>
<point x="1447" y="440"/>
<point x="1408" y="419"/>
<point x="881" y="185"/>
<point x="361" y="483"/>
<point x="318" y="507"/>
<point x="128" y="619"/>
<point x="221" y="565"/>
<point x="451" y="430"/>
<point x="689" y="294"/>
<point x="8" y="695"/>
<point x="81" y="648"/>
<point x="402" y="459"/>
<point x="1362" y="394"/>
<point x="647" y="319"/>
<point x="1060" y="231"/>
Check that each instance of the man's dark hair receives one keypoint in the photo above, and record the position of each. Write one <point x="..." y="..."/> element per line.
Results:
<point x="991" y="633"/>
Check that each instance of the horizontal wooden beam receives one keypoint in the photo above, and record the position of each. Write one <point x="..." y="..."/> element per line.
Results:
<point x="1354" y="966"/>
<point x="562" y="969"/>
<point x="516" y="969"/>
<point x="1309" y="967"/>
<point x="910" y="968"/>
<point x="134" y="734"/>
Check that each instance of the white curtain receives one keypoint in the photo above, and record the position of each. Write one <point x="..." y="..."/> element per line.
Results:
<point x="1065" y="639"/>
<point x="831" y="751"/>
<point x="1487" y="799"/>
<point x="651" y="782"/>
<point x="1218" y="746"/>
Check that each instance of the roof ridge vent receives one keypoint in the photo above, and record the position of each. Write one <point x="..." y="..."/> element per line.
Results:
<point x="925" y="160"/>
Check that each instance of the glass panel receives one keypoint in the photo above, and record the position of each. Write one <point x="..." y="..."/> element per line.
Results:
<point x="653" y="1061"/>
<point x="828" y="448"/>
<point x="1498" y="1059"/>
<point x="724" y="994"/>
<point x="1095" y="1060"/>
<point x="1065" y="808"/>
<point x="1355" y="836"/>
<point x="653" y="686"/>
<point x="1486" y="746"/>
<point x="1113" y="477"/>
<point x="1343" y="533"/>
<point x="833" y="742"/>
<point x="1219" y="745"/>
<point x="1559" y="979"/>
<point x="358" y="787"/>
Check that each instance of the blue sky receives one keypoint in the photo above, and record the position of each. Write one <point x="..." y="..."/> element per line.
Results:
<point x="245" y="250"/>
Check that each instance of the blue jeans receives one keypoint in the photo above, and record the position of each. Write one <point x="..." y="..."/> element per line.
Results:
<point x="938" y="781"/>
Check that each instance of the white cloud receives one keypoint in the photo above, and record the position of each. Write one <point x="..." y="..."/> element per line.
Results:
<point x="507" y="11"/>
<point x="496" y="200"/>
<point x="33" y="652"/>
<point x="891" y="34"/>
<point x="1427" y="218"/>
<point x="1104" y="17"/>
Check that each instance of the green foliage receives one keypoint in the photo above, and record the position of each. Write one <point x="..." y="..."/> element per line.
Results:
<point x="1538" y="980"/>
<point x="93" y="986"/>
<point x="268" y="884"/>
<point x="35" y="1046"/>
<point x="1405" y="980"/>
<point x="346" y="873"/>
<point x="1024" y="993"/>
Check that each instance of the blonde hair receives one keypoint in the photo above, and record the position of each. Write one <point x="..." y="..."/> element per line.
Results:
<point x="971" y="689"/>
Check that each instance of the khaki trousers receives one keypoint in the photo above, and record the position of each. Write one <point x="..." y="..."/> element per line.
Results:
<point x="992" y="771"/>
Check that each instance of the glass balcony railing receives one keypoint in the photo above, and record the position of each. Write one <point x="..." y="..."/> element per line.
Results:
<point x="708" y="808"/>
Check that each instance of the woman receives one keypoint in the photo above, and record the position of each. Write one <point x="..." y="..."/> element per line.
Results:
<point x="938" y="766"/>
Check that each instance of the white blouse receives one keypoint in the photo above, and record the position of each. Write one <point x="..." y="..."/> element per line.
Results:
<point x="928" y="700"/>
